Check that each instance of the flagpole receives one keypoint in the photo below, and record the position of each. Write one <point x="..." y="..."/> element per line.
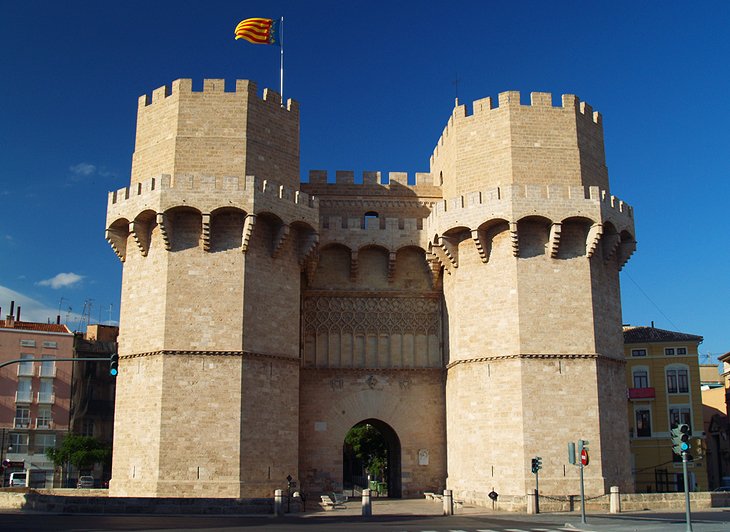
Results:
<point x="281" y="63"/>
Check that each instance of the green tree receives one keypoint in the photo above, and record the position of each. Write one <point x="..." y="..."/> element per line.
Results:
<point x="80" y="451"/>
<point x="368" y="445"/>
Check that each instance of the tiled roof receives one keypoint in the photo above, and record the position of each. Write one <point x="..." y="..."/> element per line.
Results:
<point x="636" y="335"/>
<point x="32" y="326"/>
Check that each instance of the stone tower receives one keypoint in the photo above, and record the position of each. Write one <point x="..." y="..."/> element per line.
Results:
<point x="472" y="314"/>
<point x="208" y="401"/>
<point x="531" y="244"/>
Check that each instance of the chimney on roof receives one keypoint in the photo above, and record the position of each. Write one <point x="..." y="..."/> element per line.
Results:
<point x="18" y="318"/>
<point x="12" y="308"/>
<point x="58" y="319"/>
<point x="652" y="324"/>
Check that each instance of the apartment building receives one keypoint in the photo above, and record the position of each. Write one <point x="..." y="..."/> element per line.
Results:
<point x="664" y="391"/>
<point x="34" y="394"/>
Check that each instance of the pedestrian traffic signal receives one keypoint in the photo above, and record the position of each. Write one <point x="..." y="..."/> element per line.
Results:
<point x="582" y="444"/>
<point x="680" y="439"/>
<point x="536" y="464"/>
<point x="114" y="365"/>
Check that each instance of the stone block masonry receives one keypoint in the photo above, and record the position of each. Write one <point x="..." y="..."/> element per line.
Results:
<point x="471" y="314"/>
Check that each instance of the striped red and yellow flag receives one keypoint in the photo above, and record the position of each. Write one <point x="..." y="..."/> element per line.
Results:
<point x="257" y="30"/>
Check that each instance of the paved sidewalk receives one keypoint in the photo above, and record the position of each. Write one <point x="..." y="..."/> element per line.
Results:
<point x="625" y="522"/>
<point x="391" y="507"/>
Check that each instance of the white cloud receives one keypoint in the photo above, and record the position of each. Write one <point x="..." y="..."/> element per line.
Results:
<point x="32" y="310"/>
<point x="62" y="280"/>
<point x="83" y="169"/>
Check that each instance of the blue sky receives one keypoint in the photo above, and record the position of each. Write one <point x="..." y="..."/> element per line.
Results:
<point x="375" y="83"/>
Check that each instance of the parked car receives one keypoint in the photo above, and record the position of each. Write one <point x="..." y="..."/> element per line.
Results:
<point x="85" y="482"/>
<point x="17" y="479"/>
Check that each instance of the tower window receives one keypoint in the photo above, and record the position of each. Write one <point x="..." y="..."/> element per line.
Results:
<point x="371" y="220"/>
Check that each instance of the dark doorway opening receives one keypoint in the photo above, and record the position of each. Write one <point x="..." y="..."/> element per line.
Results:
<point x="372" y="448"/>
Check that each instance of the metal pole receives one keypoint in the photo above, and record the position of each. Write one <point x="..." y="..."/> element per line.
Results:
<point x="686" y="492"/>
<point x="582" y="497"/>
<point x="281" y="62"/>
<point x="2" y="454"/>
<point x="537" y="491"/>
<point x="78" y="359"/>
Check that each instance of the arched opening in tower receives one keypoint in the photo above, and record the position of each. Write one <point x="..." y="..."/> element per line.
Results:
<point x="371" y="458"/>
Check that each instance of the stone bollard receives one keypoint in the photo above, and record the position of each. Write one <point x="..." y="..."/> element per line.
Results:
<point x="532" y="502"/>
<point x="278" y="502"/>
<point x="367" y="508"/>
<point x="615" y="500"/>
<point x="448" y="503"/>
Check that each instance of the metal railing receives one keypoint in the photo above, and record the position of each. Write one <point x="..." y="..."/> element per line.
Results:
<point x="24" y="397"/>
<point x="46" y="398"/>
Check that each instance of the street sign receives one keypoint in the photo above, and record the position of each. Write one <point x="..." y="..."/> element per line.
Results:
<point x="584" y="456"/>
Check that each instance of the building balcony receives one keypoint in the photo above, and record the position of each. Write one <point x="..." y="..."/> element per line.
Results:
<point x="24" y="397"/>
<point x="47" y="372"/>
<point x="641" y="393"/>
<point x="25" y="370"/>
<point x="43" y="424"/>
<point x="21" y="423"/>
<point x="46" y="398"/>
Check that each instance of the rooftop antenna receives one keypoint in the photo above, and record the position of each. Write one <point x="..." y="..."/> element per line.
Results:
<point x="85" y="317"/>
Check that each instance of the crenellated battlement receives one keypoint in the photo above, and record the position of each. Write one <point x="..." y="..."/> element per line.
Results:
<point x="347" y="177"/>
<point x="210" y="184"/>
<point x="216" y="132"/>
<point x="514" y="202"/>
<point x="502" y="141"/>
<point x="532" y="192"/>
<point x="511" y="100"/>
<point x="242" y="87"/>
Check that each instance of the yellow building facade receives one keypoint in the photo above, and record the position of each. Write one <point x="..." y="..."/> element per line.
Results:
<point x="664" y="391"/>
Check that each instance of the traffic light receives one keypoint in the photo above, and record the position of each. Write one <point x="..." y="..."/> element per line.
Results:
<point x="698" y="448"/>
<point x="536" y="464"/>
<point x="114" y="365"/>
<point x="583" y="452"/>
<point x="571" y="453"/>
<point x="680" y="439"/>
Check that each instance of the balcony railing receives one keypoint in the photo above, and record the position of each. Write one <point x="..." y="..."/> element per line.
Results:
<point x="25" y="369"/>
<point x="641" y="393"/>
<point x="45" y="371"/>
<point x="24" y="397"/>
<point x="21" y="423"/>
<point x="46" y="398"/>
<point x="43" y="424"/>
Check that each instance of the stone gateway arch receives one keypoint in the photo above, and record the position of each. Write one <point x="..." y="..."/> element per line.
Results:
<point x="473" y="310"/>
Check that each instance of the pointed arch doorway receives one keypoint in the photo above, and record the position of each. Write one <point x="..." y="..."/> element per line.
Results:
<point x="372" y="447"/>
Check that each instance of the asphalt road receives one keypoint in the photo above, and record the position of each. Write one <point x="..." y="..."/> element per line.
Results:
<point x="709" y="521"/>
